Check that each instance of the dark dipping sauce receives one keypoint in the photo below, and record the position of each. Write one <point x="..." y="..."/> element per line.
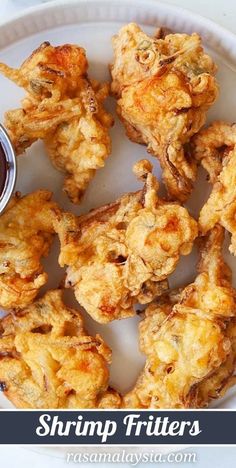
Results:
<point x="3" y="169"/>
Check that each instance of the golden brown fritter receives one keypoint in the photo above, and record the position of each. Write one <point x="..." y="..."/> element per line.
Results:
<point x="215" y="148"/>
<point x="189" y="338"/>
<point x="163" y="86"/>
<point x="47" y="359"/>
<point x="26" y="231"/>
<point x="63" y="108"/>
<point x="122" y="253"/>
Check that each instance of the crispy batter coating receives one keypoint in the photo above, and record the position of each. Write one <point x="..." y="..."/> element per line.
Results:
<point x="164" y="86"/>
<point x="122" y="253"/>
<point x="65" y="109"/>
<point x="189" y="338"/>
<point x="26" y="231"/>
<point x="215" y="148"/>
<point x="47" y="359"/>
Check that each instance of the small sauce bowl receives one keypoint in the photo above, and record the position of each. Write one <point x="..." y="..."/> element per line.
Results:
<point x="7" y="168"/>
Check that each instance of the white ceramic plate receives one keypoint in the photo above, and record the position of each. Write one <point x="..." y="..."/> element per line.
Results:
<point x="91" y="24"/>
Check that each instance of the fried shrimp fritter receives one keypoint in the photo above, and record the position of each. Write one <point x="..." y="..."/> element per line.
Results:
<point x="122" y="253"/>
<point x="189" y="338"/>
<point x="63" y="108"/>
<point x="26" y="231"/>
<point x="163" y="86"/>
<point x="215" y="148"/>
<point x="47" y="359"/>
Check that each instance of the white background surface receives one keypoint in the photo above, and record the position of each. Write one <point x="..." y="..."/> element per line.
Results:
<point x="224" y="13"/>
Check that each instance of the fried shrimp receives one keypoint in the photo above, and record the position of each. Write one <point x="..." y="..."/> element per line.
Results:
<point x="65" y="109"/>
<point x="189" y="338"/>
<point x="215" y="148"/>
<point x="48" y="360"/>
<point x="122" y="253"/>
<point x="163" y="86"/>
<point x="26" y="232"/>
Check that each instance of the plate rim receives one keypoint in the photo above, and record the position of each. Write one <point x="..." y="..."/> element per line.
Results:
<point x="52" y="5"/>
